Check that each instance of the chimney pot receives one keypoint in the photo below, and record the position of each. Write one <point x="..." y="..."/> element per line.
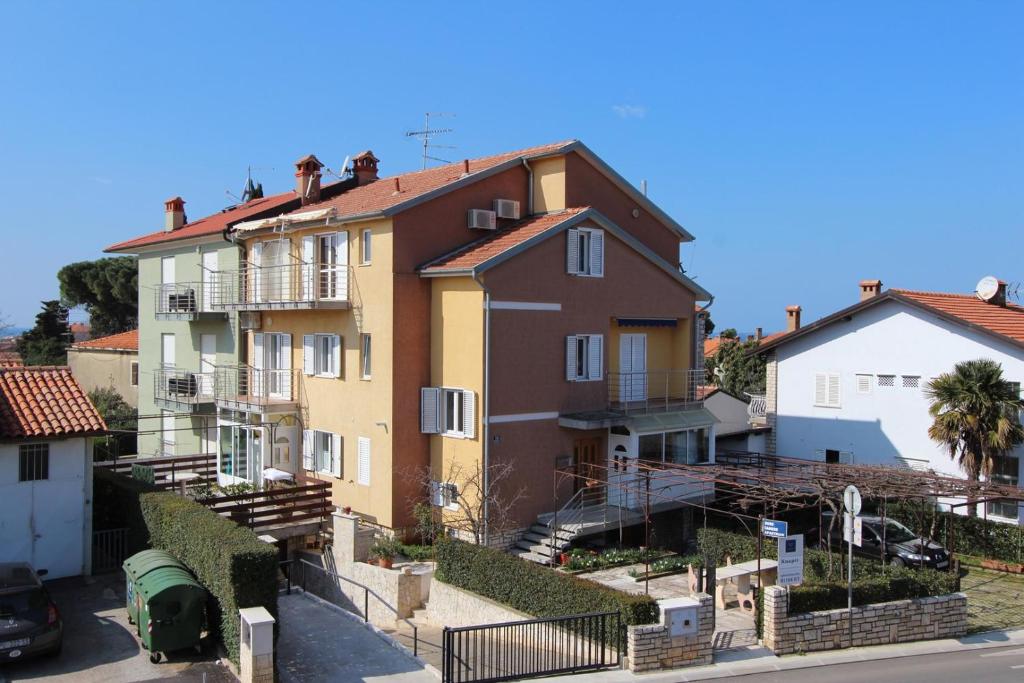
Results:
<point x="465" y="166"/>
<point x="793" y="318"/>
<point x="307" y="179"/>
<point x="758" y="334"/>
<point x="1000" y="298"/>
<point x="365" y="167"/>
<point x="174" y="213"/>
<point x="398" y="184"/>
<point x="869" y="289"/>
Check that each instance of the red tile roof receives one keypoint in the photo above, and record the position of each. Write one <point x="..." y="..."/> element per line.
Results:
<point x="123" y="341"/>
<point x="712" y="344"/>
<point x="1006" y="320"/>
<point x="483" y="250"/>
<point x="11" y="359"/>
<point x="45" y="402"/>
<point x="209" y="225"/>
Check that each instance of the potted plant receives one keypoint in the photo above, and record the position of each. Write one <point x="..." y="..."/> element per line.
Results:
<point x="384" y="550"/>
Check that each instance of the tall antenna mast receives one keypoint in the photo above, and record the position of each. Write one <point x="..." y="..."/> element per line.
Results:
<point x="427" y="135"/>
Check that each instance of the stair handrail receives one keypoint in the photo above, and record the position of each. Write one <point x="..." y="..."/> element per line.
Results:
<point x="570" y="513"/>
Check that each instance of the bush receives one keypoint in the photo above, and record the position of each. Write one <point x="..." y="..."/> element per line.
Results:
<point x="417" y="553"/>
<point x="715" y="544"/>
<point x="236" y="568"/>
<point x="534" y="589"/>
<point x="613" y="557"/>
<point x="894" y="583"/>
<point x="116" y="505"/>
<point x="972" y="535"/>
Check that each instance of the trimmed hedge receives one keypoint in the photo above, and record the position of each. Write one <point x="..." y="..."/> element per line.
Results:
<point x="236" y="568"/>
<point x="895" y="584"/>
<point x="717" y="543"/>
<point x="972" y="535"/>
<point x="534" y="589"/>
<point x="115" y="504"/>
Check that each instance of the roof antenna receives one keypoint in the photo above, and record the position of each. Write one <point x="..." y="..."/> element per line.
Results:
<point x="428" y="133"/>
<point x="345" y="171"/>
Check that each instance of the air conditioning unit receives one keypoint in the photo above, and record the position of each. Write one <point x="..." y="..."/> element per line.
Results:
<point x="506" y="208"/>
<point x="482" y="219"/>
<point x="250" y="320"/>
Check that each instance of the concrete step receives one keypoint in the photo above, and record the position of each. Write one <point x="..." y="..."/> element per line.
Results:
<point x="542" y="530"/>
<point x="532" y="557"/>
<point x="537" y="539"/>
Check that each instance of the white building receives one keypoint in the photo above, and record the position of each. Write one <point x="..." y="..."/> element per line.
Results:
<point x="850" y="387"/>
<point x="46" y="421"/>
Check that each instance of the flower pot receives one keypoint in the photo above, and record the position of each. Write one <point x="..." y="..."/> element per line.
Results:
<point x="385" y="562"/>
<point x="563" y="558"/>
<point x="347" y="509"/>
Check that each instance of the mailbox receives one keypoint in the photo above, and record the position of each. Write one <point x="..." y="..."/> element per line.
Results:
<point x="680" y="616"/>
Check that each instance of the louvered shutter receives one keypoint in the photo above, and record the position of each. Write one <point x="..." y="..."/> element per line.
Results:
<point x="833" y="391"/>
<point x="363" y="464"/>
<point x="572" y="256"/>
<point x="469" y="414"/>
<point x="820" y="389"/>
<point x="597" y="253"/>
<point x="308" y="268"/>
<point x="256" y="380"/>
<point x="286" y="364"/>
<point x="308" y="354"/>
<point x="256" y="277"/>
<point x="430" y="398"/>
<point x="570" y="358"/>
<point x="336" y="455"/>
<point x="336" y="354"/>
<point x="594" y="356"/>
<point x="307" y="450"/>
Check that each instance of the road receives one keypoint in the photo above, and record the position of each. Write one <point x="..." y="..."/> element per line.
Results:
<point x="992" y="665"/>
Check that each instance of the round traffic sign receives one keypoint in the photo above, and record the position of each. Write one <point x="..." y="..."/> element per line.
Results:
<point x="851" y="499"/>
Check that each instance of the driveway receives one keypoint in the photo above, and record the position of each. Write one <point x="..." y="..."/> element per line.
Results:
<point x="100" y="645"/>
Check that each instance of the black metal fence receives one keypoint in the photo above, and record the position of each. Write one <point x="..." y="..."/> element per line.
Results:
<point x="532" y="648"/>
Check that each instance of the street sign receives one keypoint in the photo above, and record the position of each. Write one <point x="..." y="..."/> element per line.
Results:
<point x="858" y="530"/>
<point x="851" y="499"/>
<point x="791" y="561"/>
<point x="774" y="528"/>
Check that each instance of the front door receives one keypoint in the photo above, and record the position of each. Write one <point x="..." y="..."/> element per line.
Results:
<point x="633" y="367"/>
<point x="590" y="470"/>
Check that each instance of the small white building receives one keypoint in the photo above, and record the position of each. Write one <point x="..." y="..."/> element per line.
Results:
<point x="850" y="387"/>
<point x="46" y="422"/>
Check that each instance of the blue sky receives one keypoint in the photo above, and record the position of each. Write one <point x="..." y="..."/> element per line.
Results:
<point x="805" y="145"/>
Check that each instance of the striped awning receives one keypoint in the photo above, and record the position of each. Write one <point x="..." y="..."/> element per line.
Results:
<point x="647" y="322"/>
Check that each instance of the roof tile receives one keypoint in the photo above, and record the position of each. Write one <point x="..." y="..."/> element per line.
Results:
<point x="44" y="401"/>
<point x="123" y="341"/>
<point x="1006" y="320"/>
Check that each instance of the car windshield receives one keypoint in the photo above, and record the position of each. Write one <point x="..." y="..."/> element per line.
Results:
<point x="896" y="532"/>
<point x="21" y="603"/>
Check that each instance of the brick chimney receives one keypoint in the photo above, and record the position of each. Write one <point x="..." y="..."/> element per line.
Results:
<point x="869" y="289"/>
<point x="174" y="213"/>
<point x="1000" y="298"/>
<point x="364" y="165"/>
<point x="758" y="333"/>
<point x="793" y="318"/>
<point x="307" y="179"/>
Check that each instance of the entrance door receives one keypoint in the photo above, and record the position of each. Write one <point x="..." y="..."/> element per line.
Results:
<point x="633" y="367"/>
<point x="207" y="363"/>
<point x="209" y="279"/>
<point x="589" y="468"/>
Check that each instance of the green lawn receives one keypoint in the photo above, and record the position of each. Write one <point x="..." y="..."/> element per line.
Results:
<point x="994" y="600"/>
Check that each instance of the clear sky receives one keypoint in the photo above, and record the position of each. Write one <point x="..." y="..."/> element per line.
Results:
<point x="805" y="145"/>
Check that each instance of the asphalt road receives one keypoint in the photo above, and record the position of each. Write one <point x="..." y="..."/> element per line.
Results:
<point x="993" y="665"/>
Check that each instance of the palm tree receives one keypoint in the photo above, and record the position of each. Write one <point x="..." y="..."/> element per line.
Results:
<point x="975" y="416"/>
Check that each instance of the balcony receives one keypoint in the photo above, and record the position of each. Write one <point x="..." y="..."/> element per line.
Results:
<point x="179" y="389"/>
<point x="289" y="286"/>
<point x="654" y="391"/>
<point x="255" y="390"/>
<point x="184" y="301"/>
<point x="757" y="409"/>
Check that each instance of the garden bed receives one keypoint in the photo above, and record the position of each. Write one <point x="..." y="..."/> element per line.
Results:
<point x="583" y="561"/>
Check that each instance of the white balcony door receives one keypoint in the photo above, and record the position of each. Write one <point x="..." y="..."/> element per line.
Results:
<point x="167" y="350"/>
<point x="275" y="273"/>
<point x="333" y="281"/>
<point x="166" y="282"/>
<point x="207" y="363"/>
<point x="277" y="363"/>
<point x="167" y="432"/>
<point x="633" y="367"/>
<point x="209" y="279"/>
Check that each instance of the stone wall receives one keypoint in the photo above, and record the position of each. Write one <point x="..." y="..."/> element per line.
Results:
<point x="903" y="621"/>
<point x="771" y="399"/>
<point x="451" y="606"/>
<point x="651" y="647"/>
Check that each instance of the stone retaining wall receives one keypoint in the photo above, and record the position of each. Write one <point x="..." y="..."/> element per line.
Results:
<point x="652" y="648"/>
<point x="903" y="621"/>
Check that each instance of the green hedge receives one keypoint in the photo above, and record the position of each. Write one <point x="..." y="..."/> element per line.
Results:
<point x="116" y="505"/>
<point x="717" y="543"/>
<point x="238" y="569"/>
<point x="972" y="535"/>
<point x="894" y="584"/>
<point x="534" y="589"/>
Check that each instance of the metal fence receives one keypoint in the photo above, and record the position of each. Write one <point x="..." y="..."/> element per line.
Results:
<point x="532" y="648"/>
<point x="109" y="548"/>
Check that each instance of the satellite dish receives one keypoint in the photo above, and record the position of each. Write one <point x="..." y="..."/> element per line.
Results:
<point x="344" y="164"/>
<point x="987" y="288"/>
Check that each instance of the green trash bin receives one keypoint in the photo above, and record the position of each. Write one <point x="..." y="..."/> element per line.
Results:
<point x="165" y="602"/>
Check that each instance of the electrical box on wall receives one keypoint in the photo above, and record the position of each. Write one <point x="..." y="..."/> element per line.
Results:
<point x="680" y="616"/>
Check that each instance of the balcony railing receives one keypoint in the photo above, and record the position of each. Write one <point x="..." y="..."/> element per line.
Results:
<point x="243" y="387"/>
<point x="181" y="389"/>
<point x="655" y="390"/>
<point x="294" y="285"/>
<point x="184" y="300"/>
<point x="757" y="409"/>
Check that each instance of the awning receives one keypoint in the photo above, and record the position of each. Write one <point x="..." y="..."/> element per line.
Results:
<point x="284" y="219"/>
<point x="671" y="422"/>
<point x="647" y="322"/>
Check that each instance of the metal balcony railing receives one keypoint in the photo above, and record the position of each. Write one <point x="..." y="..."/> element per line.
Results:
<point x="655" y="390"/>
<point x="182" y="389"/>
<point x="243" y="387"/>
<point x="757" y="409"/>
<point x="273" y="287"/>
<point x="185" y="300"/>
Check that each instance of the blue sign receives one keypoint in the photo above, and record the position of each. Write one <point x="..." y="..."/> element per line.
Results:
<point x="773" y="528"/>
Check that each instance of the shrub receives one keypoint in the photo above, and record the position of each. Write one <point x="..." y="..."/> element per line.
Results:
<point x="581" y="559"/>
<point x="417" y="553"/>
<point x="972" y="535"/>
<point x="894" y="583"/>
<point x="236" y="568"/>
<point x="534" y="589"/>
<point x="116" y="505"/>
<point x="715" y="544"/>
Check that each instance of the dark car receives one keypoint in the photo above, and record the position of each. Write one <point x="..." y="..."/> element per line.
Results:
<point x="903" y="548"/>
<point x="29" y="621"/>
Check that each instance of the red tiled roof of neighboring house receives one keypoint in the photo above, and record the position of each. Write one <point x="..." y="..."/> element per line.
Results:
<point x="11" y="359"/>
<point x="208" y="225"/>
<point x="712" y="344"/>
<point x="1006" y="320"/>
<point x="80" y="331"/>
<point x="123" y="341"/>
<point x="476" y="253"/>
<point x="45" y="401"/>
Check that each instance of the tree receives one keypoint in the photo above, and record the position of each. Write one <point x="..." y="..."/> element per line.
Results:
<point x="709" y="324"/>
<point x="736" y="366"/>
<point x="108" y="288"/>
<point x="119" y="416"/>
<point x="47" y="342"/>
<point x="975" y="416"/>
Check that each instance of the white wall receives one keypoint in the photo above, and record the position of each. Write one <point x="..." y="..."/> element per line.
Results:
<point x="890" y="338"/>
<point x="57" y="510"/>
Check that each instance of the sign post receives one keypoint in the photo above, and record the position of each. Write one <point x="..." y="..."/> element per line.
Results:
<point x="791" y="560"/>
<point x="851" y="502"/>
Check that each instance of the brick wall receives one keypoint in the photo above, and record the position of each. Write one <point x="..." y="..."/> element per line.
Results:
<point x="771" y="398"/>
<point x="903" y="621"/>
<point x="652" y="648"/>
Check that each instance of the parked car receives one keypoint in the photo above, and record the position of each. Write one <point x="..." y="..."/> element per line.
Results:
<point x="903" y="548"/>
<point x="30" y="623"/>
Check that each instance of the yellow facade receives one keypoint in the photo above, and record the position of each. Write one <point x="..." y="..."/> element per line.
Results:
<point x="548" y="184"/>
<point x="668" y="349"/>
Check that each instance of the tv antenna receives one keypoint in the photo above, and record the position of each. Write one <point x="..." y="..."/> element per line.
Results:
<point x="427" y="135"/>
<point x="252" y="190"/>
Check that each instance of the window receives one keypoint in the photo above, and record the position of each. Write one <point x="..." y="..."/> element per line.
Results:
<point x="444" y="494"/>
<point x="34" y="462"/>
<point x="363" y="462"/>
<point x="831" y="456"/>
<point x="583" y="358"/>
<point x="863" y="384"/>
<point x="911" y="381"/>
<point x="448" y="411"/>
<point x="585" y="252"/>
<point x="322" y="452"/>
<point x="366" y="247"/>
<point x="167" y="432"/>
<point x="826" y="389"/>
<point x="686" y="447"/>
<point x="135" y="373"/>
<point x="321" y="355"/>
<point x="333" y="254"/>
<point x="887" y="381"/>
<point x="453" y="424"/>
<point x="1005" y="470"/>
<point x="365" y="365"/>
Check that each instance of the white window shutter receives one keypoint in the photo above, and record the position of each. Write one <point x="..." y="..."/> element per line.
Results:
<point x="597" y="253"/>
<point x="820" y="389"/>
<point x="572" y="257"/>
<point x="336" y="455"/>
<point x="308" y="268"/>
<point x="286" y="352"/>
<point x="435" y="493"/>
<point x="308" y="354"/>
<point x="336" y="354"/>
<point x="468" y="414"/>
<point x="256" y="277"/>
<point x="430" y="399"/>
<point x="363" y="464"/>
<point x="257" y="350"/>
<point x="570" y="358"/>
<point x="833" y="390"/>
<point x="594" y="357"/>
<point x="307" y="450"/>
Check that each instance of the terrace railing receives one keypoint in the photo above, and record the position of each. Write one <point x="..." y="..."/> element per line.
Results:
<point x="179" y="388"/>
<point x="294" y="285"/>
<point x="655" y="390"/>
<point x="243" y="387"/>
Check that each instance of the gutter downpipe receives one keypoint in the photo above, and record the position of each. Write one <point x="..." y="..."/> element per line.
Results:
<point x="486" y="418"/>
<point x="696" y="317"/>
<point x="529" y="191"/>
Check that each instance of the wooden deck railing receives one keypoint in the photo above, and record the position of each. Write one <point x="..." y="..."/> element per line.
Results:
<point x="260" y="510"/>
<point x="166" y="468"/>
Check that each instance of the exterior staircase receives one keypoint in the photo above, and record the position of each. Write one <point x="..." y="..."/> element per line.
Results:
<point x="553" y="533"/>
